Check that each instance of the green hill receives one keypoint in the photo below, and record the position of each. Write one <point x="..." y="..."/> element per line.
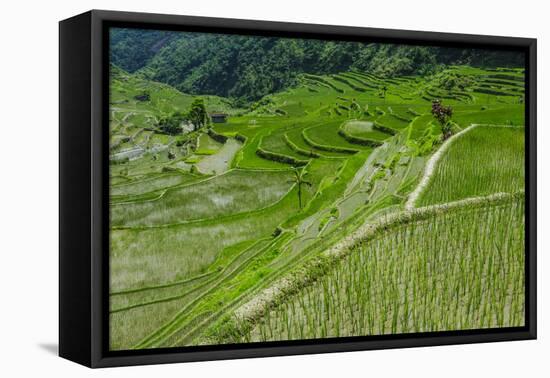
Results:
<point x="205" y="220"/>
<point x="250" y="67"/>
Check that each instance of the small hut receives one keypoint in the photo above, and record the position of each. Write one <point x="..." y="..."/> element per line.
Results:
<point x="218" y="117"/>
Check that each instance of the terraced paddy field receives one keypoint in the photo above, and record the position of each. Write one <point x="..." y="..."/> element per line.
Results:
<point x="364" y="129"/>
<point x="240" y="231"/>
<point x="234" y="192"/>
<point x="412" y="278"/>
<point x="499" y="166"/>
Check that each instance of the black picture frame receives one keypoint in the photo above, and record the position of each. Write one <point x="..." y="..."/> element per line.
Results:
<point x="83" y="181"/>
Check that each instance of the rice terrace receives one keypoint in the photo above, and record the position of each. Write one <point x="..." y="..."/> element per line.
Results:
<point x="267" y="189"/>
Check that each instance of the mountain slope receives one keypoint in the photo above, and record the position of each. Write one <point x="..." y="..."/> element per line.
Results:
<point x="250" y="67"/>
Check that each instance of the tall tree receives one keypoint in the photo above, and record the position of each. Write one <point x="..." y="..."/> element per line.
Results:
<point x="443" y="115"/>
<point x="172" y="124"/>
<point x="197" y="114"/>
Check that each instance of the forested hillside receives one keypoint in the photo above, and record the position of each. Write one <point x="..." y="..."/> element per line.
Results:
<point x="250" y="67"/>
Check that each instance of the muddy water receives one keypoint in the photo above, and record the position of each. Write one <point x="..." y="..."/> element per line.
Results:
<point x="220" y="162"/>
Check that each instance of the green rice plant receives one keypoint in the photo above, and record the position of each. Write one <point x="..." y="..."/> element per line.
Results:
<point x="348" y="82"/>
<point x="324" y="81"/>
<point x="393" y="122"/>
<point x="125" y="191"/>
<point x="186" y="249"/>
<point x="297" y="138"/>
<point x="234" y="192"/>
<point x="192" y="159"/>
<point x="207" y="142"/>
<point x="456" y="270"/>
<point x="294" y="147"/>
<point x="512" y="114"/>
<point x="247" y="158"/>
<point x="484" y="160"/>
<point x="158" y="304"/>
<point x="507" y="76"/>
<point x="222" y="160"/>
<point x="276" y="143"/>
<point x="363" y="141"/>
<point x="505" y="83"/>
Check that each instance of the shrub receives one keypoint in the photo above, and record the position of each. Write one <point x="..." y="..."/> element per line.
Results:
<point x="506" y="77"/>
<point x="144" y="96"/>
<point x="443" y="115"/>
<point x="241" y="138"/>
<point x="205" y="152"/>
<point x="172" y="124"/>
<point x="362" y="82"/>
<point x="220" y="138"/>
<point x="358" y="140"/>
<point x="280" y="158"/>
<point x="492" y="92"/>
<point x="385" y="129"/>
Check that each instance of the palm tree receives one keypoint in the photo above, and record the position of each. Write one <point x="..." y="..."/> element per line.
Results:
<point x="299" y="180"/>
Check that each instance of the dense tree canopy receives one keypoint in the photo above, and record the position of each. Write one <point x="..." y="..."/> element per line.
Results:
<point x="249" y="67"/>
<point x="132" y="49"/>
<point x="172" y="124"/>
<point x="197" y="113"/>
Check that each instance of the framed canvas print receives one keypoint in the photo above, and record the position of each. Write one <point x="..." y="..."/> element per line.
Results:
<point x="233" y="188"/>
